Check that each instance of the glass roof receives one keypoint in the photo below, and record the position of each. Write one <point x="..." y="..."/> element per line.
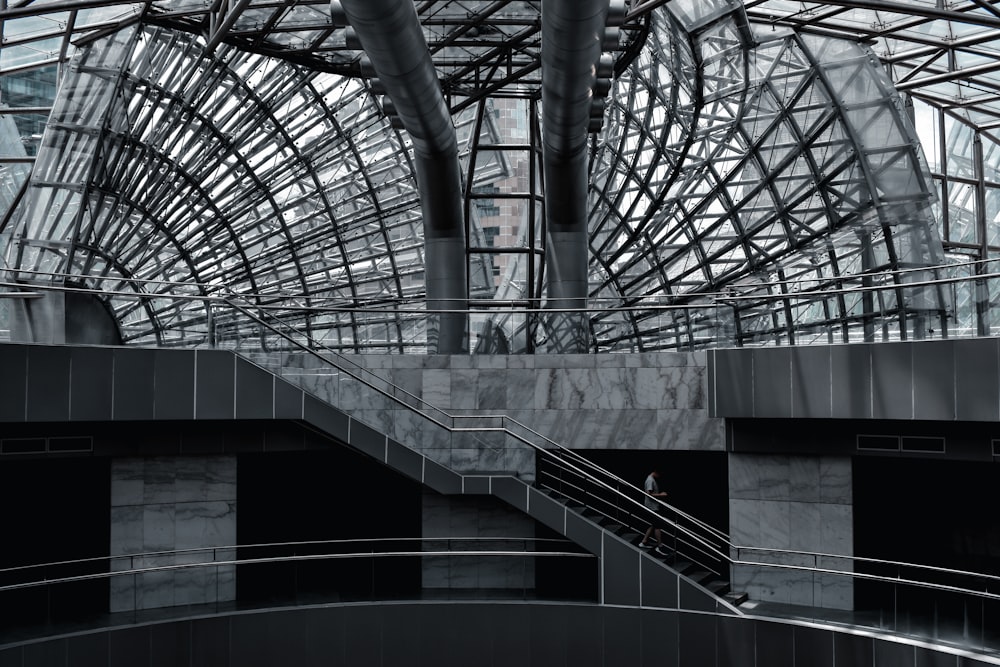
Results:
<point x="767" y="172"/>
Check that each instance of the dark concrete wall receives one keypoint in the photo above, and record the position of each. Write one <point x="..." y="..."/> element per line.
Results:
<point x="946" y="380"/>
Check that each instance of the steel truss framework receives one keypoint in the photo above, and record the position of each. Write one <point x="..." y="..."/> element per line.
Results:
<point x="756" y="177"/>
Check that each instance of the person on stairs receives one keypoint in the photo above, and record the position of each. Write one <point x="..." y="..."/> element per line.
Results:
<point x="652" y="488"/>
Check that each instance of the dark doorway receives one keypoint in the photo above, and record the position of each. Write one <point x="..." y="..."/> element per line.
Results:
<point x="55" y="509"/>
<point x="928" y="512"/>
<point x="329" y="494"/>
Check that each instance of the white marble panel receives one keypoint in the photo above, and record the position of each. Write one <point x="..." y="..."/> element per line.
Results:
<point x="682" y="387"/>
<point x="407" y="361"/>
<point x="225" y="577"/>
<point x="606" y="388"/>
<point x="155" y="589"/>
<point x="194" y="585"/>
<point x="383" y="421"/>
<point x="158" y="527"/>
<point x="127" y="481"/>
<point x="804" y="479"/>
<point x="205" y="516"/>
<point x="355" y="395"/>
<point x="205" y="523"/>
<point x="520" y="387"/>
<point x="220" y="478"/>
<point x="464" y="385"/>
<point x="834" y="592"/>
<point x="565" y="361"/>
<point x="461" y="459"/>
<point x="489" y="361"/>
<point x="610" y="361"/>
<point x="556" y="425"/>
<point x="771" y="585"/>
<point x="744" y="525"/>
<point x="416" y="431"/>
<point x="463" y="572"/>
<point x="160" y="481"/>
<point x="521" y="361"/>
<point x="523" y="462"/>
<point x="491" y="390"/>
<point x="122" y="593"/>
<point x="620" y="429"/>
<point x="775" y="524"/>
<point x="441" y="456"/>
<point x="744" y="476"/>
<point x="836" y="480"/>
<point x="493" y="459"/>
<point x="689" y="430"/>
<point x="373" y="362"/>
<point x="436" y="388"/>
<point x="775" y="473"/>
<point x="436" y="572"/>
<point x="838" y="529"/>
<point x="189" y="478"/>
<point x="505" y="572"/>
<point x="408" y="379"/>
<point x="463" y="361"/>
<point x="323" y="383"/>
<point x="806" y="530"/>
<point x="651" y="389"/>
<point x="436" y="361"/>
<point x="126" y="529"/>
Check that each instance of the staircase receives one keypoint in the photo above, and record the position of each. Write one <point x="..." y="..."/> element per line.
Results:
<point x="683" y="551"/>
<point x="697" y="553"/>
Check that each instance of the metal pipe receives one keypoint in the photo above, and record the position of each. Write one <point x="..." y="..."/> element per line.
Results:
<point x="572" y="35"/>
<point x="390" y="34"/>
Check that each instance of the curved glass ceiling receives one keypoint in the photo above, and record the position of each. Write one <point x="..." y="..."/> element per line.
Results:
<point x="767" y="172"/>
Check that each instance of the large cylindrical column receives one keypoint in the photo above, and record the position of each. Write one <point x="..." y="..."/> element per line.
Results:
<point x="572" y="36"/>
<point x="391" y="36"/>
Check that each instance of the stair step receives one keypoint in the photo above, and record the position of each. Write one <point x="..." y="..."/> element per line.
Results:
<point x="718" y="587"/>
<point x="735" y="598"/>
<point x="700" y="576"/>
<point x="683" y="566"/>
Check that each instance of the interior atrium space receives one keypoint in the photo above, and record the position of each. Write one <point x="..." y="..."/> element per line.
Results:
<point x="354" y="331"/>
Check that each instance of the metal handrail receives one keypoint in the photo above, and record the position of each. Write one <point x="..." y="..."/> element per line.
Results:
<point x="579" y="465"/>
<point x="503" y="419"/>
<point x="858" y="559"/>
<point x="293" y="558"/>
<point x="878" y="577"/>
<point x="261" y="545"/>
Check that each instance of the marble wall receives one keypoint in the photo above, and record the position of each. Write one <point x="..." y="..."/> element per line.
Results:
<point x="495" y="526"/>
<point x="648" y="401"/>
<point x="799" y="503"/>
<point x="169" y="504"/>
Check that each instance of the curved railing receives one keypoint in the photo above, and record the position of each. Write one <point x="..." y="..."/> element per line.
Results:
<point x="36" y="599"/>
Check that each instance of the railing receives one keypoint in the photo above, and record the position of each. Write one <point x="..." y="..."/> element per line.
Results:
<point x="616" y="501"/>
<point x="948" y="300"/>
<point x="525" y="452"/>
<point x="942" y="604"/>
<point x="37" y="599"/>
<point x="512" y="447"/>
